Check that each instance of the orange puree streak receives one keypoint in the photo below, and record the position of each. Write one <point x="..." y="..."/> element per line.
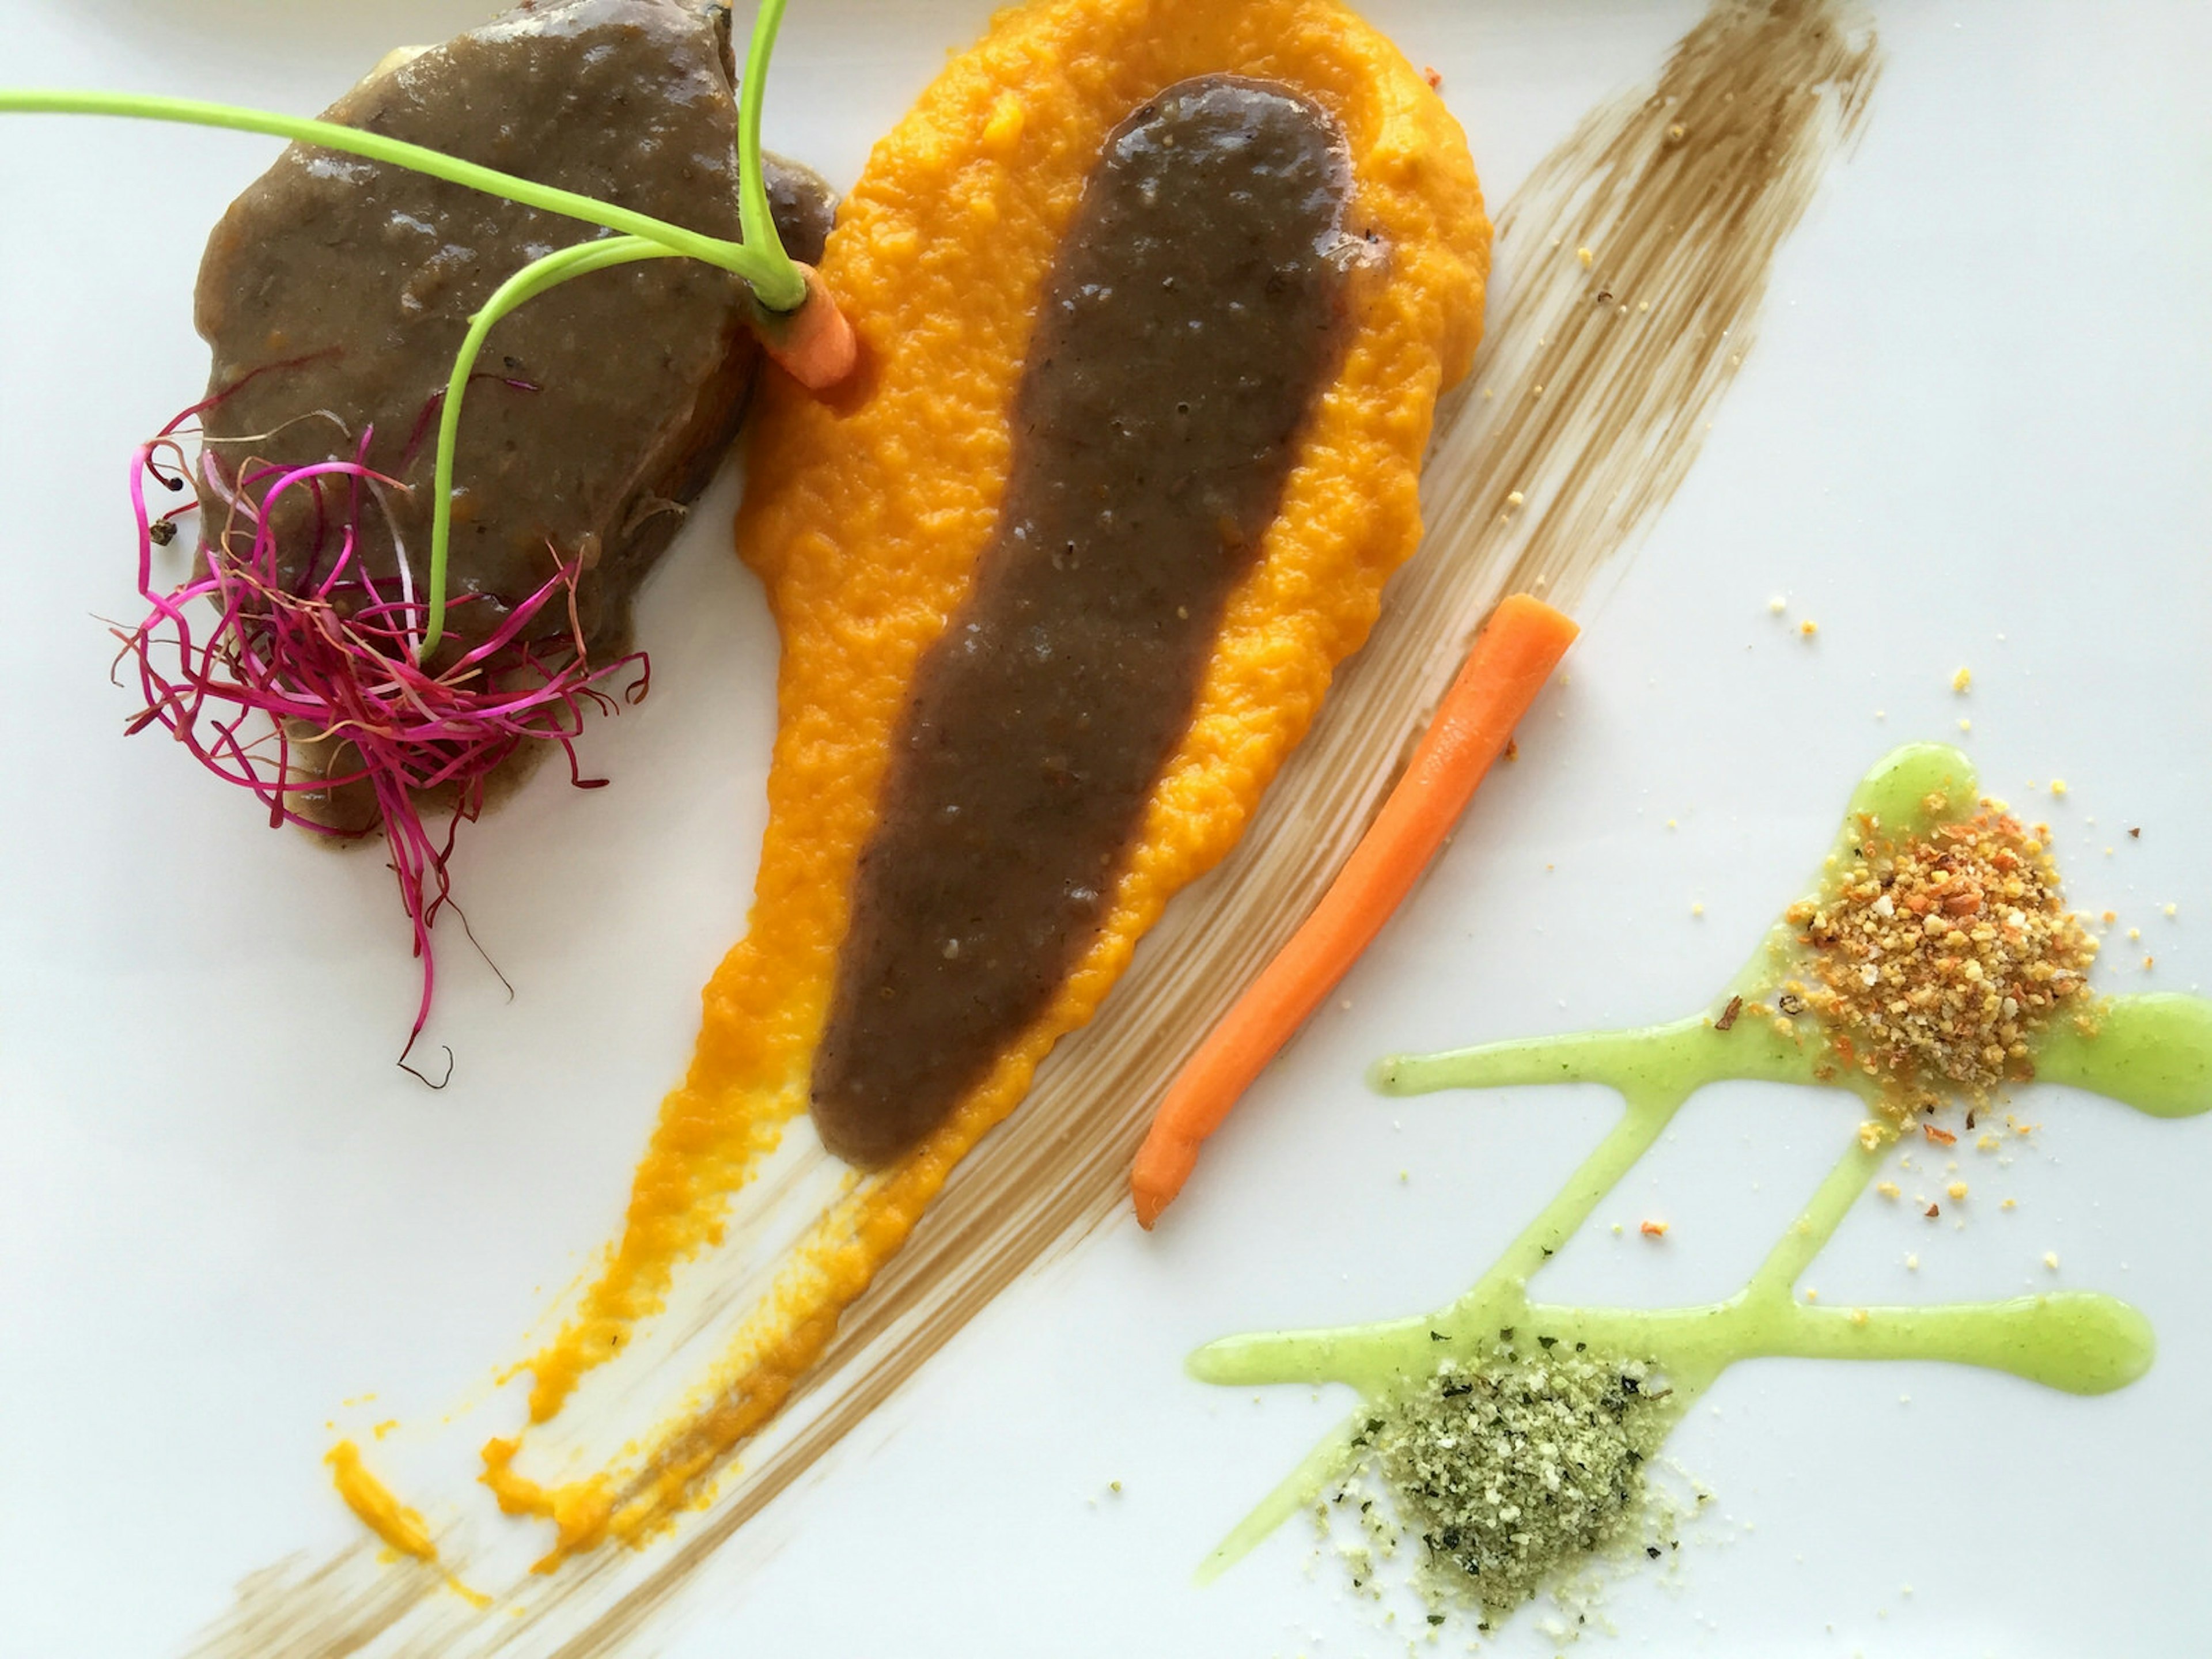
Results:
<point x="374" y="1506"/>
<point x="864" y="518"/>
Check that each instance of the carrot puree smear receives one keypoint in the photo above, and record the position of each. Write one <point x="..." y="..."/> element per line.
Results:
<point x="403" y="1530"/>
<point x="864" y="521"/>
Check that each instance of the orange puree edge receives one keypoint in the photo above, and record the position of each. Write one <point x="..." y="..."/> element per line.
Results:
<point x="376" y="1508"/>
<point x="864" y="518"/>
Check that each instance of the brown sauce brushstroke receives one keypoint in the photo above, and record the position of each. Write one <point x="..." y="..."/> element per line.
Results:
<point x="1198" y="304"/>
<point x="1590" y="406"/>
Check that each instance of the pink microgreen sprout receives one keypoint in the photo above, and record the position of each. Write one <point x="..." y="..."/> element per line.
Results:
<point x="331" y="658"/>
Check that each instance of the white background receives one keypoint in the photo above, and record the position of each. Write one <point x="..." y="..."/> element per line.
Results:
<point x="1977" y="429"/>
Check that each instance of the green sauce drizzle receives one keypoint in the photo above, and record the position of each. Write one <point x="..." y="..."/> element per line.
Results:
<point x="2152" y="1053"/>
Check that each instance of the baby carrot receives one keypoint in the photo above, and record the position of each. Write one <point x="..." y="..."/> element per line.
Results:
<point x="1511" y="659"/>
<point x="815" y="344"/>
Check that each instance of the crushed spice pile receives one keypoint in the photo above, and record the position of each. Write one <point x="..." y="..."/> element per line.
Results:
<point x="1940" y="956"/>
<point x="1515" y="1469"/>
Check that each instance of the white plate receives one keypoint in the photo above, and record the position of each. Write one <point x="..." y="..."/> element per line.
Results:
<point x="1976" y="429"/>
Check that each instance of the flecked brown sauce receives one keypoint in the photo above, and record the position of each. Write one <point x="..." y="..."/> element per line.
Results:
<point x="340" y="287"/>
<point x="1191" y="319"/>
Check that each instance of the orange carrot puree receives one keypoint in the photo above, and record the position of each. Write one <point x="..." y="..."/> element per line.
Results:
<point x="864" y="518"/>
<point x="399" y="1526"/>
<point x="375" y="1507"/>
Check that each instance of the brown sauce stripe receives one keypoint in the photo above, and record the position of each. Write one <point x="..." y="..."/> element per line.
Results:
<point x="1194" y="313"/>
<point x="1767" y="95"/>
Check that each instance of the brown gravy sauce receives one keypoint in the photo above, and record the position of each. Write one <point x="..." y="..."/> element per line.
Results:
<point x="1191" y="319"/>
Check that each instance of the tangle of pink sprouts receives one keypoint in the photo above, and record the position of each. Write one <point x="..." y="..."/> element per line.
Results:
<point x="333" y="655"/>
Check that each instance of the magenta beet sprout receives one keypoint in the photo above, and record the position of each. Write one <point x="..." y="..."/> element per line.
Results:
<point x="329" y="660"/>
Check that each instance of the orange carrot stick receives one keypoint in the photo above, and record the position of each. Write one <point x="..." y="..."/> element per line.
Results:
<point x="1511" y="659"/>
<point x="815" y="344"/>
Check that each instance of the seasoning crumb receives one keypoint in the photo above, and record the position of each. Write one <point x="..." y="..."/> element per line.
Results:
<point x="1957" y="1189"/>
<point x="1727" y="1014"/>
<point x="1697" y="907"/>
<point x="1433" y="77"/>
<point x="2050" y="1259"/>
<point x="1777" y="605"/>
<point x="1653" y="1229"/>
<point x="1514" y="498"/>
<point x="1887" y="1189"/>
<point x="2058" y="786"/>
<point x="1912" y="1264"/>
<point x="2010" y="1204"/>
<point x="1966" y="726"/>
<point x="1988" y="1143"/>
<point x="1872" y="1133"/>
<point x="1941" y="1137"/>
<point x="1941" y="955"/>
<point x="2173" y="909"/>
<point x="1809" y="627"/>
<point x="1586" y="256"/>
<point x="1962" y="680"/>
<point x="1932" y="1212"/>
<point x="1512" y="749"/>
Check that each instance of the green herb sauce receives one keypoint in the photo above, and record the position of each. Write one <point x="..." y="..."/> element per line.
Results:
<point x="2151" y="1053"/>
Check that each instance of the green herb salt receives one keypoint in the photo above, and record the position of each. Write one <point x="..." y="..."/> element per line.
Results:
<point x="1515" y="1468"/>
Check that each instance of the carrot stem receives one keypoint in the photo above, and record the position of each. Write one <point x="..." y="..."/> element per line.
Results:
<point x="1509" y="664"/>
<point x="784" y="291"/>
<point x="770" y="275"/>
<point x="540" y="276"/>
